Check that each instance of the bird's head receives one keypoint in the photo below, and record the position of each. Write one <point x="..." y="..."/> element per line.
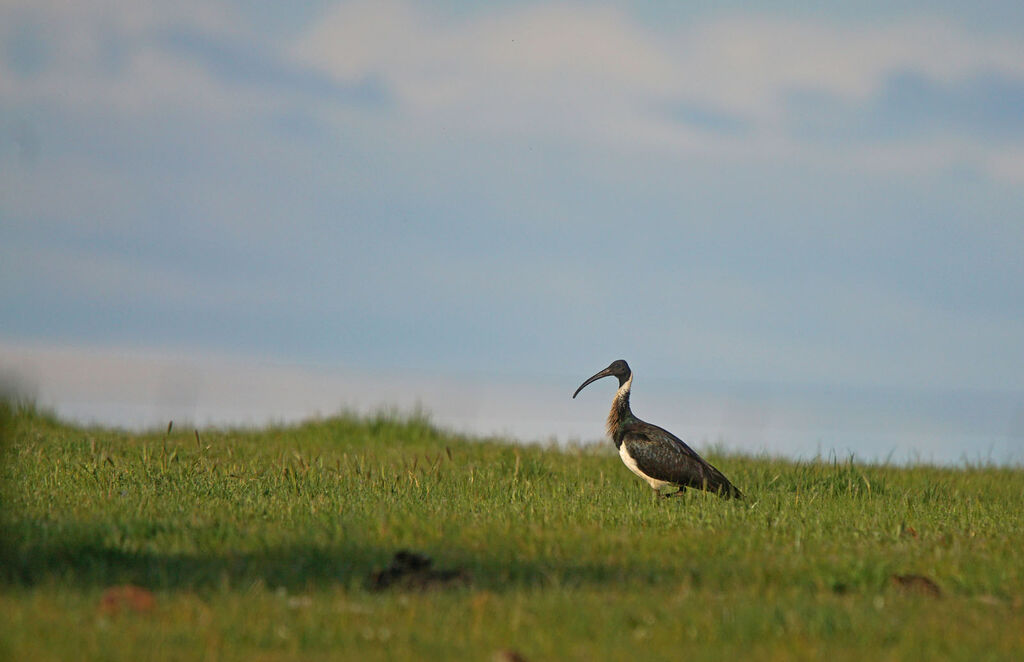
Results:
<point x="618" y="369"/>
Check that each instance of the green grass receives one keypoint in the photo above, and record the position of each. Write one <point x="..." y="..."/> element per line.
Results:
<point x="257" y="544"/>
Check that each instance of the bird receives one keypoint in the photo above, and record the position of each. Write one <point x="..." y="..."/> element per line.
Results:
<point x="653" y="453"/>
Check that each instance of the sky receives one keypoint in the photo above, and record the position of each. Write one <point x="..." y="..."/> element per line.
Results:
<point x="763" y="206"/>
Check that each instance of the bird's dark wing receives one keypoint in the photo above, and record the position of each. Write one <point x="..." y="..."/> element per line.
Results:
<point x="664" y="456"/>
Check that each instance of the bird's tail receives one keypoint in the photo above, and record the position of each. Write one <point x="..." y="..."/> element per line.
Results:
<point x="720" y="485"/>
<point x="730" y="491"/>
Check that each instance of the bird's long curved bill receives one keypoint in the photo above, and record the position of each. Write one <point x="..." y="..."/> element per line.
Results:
<point x="604" y="373"/>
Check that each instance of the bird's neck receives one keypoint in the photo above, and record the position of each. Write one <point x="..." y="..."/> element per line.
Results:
<point x="620" y="412"/>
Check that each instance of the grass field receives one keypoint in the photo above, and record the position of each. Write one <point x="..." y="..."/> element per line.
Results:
<point x="259" y="545"/>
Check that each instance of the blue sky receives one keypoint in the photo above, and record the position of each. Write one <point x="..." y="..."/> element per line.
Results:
<point x="740" y="194"/>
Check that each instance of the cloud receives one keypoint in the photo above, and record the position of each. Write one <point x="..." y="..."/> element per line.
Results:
<point x="915" y="94"/>
<point x="236" y="62"/>
<point x="531" y="73"/>
<point x="984" y="105"/>
<point x="912" y="107"/>
<point x="750" y="62"/>
<point x="597" y="76"/>
<point x="150" y="58"/>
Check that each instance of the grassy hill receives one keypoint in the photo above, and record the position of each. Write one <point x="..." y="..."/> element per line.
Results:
<point x="263" y="544"/>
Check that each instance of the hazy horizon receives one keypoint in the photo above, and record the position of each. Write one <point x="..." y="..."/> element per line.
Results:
<point x="145" y="390"/>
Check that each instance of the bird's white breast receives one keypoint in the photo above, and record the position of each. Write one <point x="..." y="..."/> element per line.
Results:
<point x="630" y="463"/>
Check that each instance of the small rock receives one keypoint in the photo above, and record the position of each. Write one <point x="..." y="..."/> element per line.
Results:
<point x="126" y="598"/>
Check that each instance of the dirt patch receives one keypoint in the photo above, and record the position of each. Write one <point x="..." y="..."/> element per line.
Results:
<point x="126" y="598"/>
<point x="916" y="584"/>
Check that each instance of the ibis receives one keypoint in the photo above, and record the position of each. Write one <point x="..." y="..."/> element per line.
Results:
<point x="653" y="453"/>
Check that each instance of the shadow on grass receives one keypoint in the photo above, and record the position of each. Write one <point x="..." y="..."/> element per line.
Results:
<point x="83" y="559"/>
<point x="41" y="552"/>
